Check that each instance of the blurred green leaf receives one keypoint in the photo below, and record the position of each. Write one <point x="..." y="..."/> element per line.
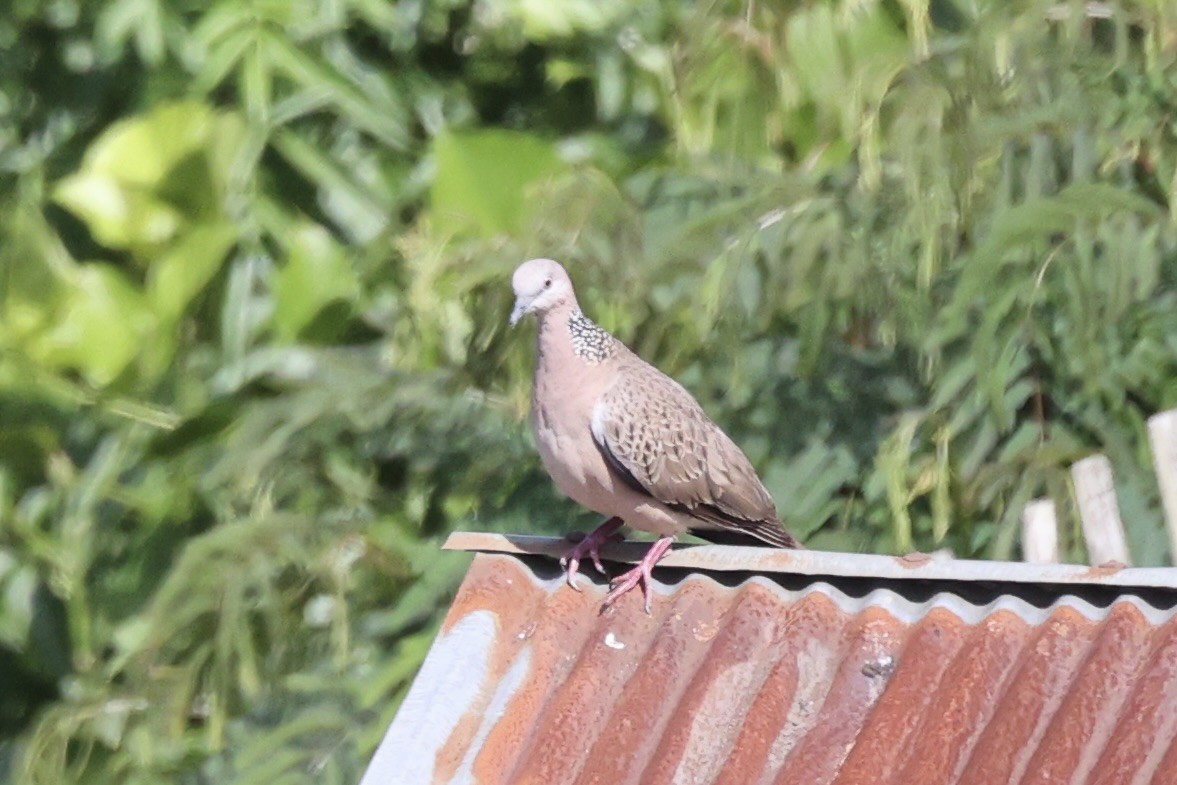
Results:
<point x="316" y="273"/>
<point x="141" y="152"/>
<point x="105" y="321"/>
<point x="484" y="179"/>
<point x="187" y="267"/>
<point x="118" y="216"/>
<point x="119" y="191"/>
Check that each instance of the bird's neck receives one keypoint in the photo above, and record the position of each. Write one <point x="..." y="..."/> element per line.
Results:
<point x="590" y="342"/>
<point x="568" y="332"/>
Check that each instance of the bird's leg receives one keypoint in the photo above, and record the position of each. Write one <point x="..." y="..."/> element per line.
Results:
<point x="590" y="546"/>
<point x="639" y="574"/>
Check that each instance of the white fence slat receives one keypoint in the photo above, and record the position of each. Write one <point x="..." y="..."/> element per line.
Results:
<point x="1040" y="532"/>
<point x="1095" y="492"/>
<point x="1162" y="437"/>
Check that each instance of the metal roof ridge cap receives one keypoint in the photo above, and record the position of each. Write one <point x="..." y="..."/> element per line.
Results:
<point x="739" y="558"/>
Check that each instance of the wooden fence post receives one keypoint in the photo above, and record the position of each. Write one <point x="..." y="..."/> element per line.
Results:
<point x="1040" y="532"/>
<point x="1162" y="437"/>
<point x="1095" y="492"/>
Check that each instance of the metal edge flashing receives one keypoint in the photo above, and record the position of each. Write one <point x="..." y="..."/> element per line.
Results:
<point x="911" y="567"/>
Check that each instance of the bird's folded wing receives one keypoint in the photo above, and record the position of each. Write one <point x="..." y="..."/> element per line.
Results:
<point x="658" y="440"/>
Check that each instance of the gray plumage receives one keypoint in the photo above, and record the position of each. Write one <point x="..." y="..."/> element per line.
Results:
<point x="623" y="439"/>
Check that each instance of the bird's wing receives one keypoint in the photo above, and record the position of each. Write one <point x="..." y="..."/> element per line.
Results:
<point x="657" y="439"/>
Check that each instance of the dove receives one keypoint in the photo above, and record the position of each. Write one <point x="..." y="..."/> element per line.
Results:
<point x="625" y="440"/>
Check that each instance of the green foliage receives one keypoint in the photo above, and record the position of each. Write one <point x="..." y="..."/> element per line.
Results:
<point x="916" y="257"/>
<point x="483" y="180"/>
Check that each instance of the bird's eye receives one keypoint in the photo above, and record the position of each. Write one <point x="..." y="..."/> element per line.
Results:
<point x="547" y="283"/>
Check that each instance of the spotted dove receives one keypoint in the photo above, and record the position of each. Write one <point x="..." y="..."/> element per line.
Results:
<point x="621" y="438"/>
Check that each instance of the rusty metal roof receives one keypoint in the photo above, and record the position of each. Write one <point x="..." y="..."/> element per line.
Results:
<point x="764" y="666"/>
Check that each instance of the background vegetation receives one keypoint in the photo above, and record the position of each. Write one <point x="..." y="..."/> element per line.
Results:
<point x="917" y="257"/>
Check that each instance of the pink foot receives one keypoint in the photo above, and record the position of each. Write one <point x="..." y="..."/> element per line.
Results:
<point x="641" y="574"/>
<point x="590" y="546"/>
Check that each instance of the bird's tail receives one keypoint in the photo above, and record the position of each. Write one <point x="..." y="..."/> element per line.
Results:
<point x="758" y="533"/>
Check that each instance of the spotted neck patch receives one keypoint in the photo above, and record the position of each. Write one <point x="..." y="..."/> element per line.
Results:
<point x="589" y="341"/>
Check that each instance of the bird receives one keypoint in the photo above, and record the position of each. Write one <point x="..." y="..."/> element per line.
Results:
<point x="625" y="440"/>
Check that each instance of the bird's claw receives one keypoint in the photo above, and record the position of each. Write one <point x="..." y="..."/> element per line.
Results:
<point x="590" y="545"/>
<point x="626" y="581"/>
<point x="571" y="567"/>
<point x="642" y="574"/>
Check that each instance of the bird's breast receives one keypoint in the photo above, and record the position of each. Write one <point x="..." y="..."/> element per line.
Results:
<point x="561" y="410"/>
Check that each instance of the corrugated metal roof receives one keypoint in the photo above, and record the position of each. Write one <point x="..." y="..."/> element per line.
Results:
<point x="763" y="678"/>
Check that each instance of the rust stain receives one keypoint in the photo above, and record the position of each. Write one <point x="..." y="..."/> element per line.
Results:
<point x="912" y="560"/>
<point x="1105" y="569"/>
<point x="1148" y="718"/>
<point x="753" y="684"/>
<point x="897" y="721"/>
<point x="1091" y="706"/>
<point x="848" y="703"/>
<point x="963" y="701"/>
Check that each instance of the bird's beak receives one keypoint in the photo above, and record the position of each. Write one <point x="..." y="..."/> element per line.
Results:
<point x="519" y="312"/>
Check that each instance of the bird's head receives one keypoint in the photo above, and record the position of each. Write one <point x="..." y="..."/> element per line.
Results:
<point x="540" y="285"/>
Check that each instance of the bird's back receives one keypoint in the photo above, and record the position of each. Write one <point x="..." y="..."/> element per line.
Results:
<point x="657" y="437"/>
